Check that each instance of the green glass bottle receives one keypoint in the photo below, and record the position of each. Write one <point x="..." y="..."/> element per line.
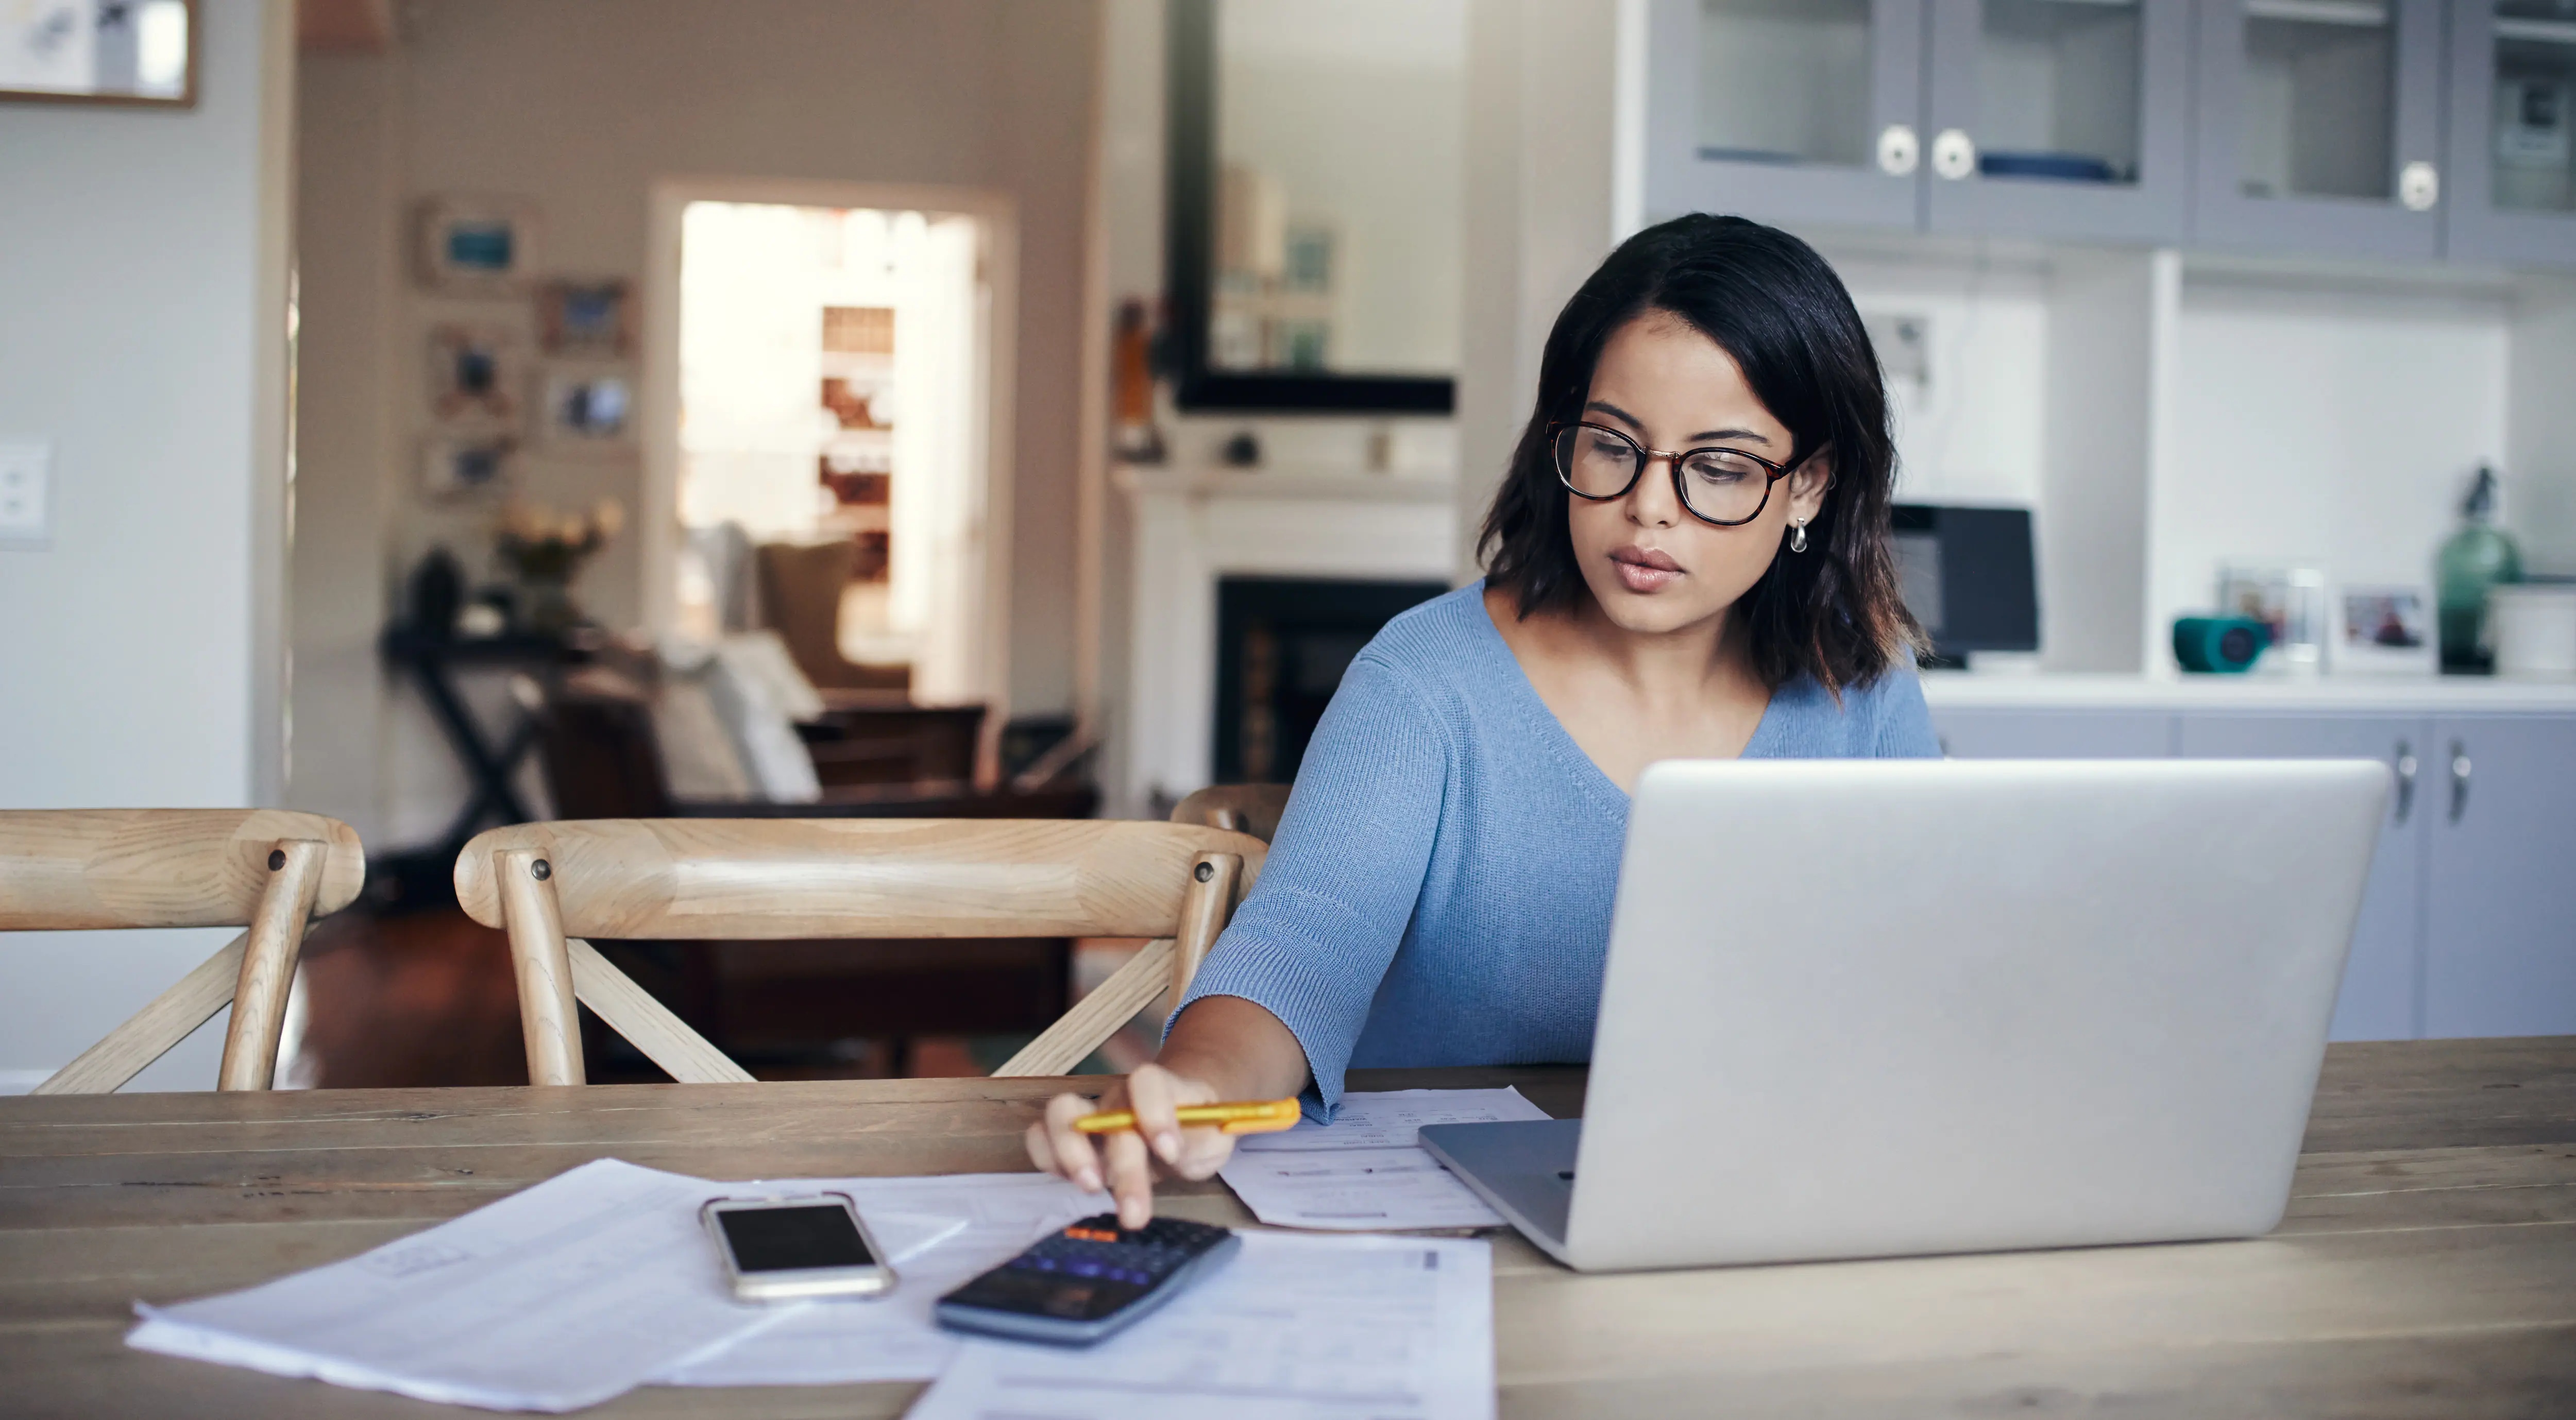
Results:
<point x="2477" y="557"/>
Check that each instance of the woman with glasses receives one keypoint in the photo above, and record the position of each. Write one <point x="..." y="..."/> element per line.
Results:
<point x="1688" y="558"/>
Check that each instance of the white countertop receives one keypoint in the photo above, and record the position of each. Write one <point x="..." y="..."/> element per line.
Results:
<point x="2356" y="694"/>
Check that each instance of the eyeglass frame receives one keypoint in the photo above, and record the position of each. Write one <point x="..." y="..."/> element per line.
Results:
<point x="1672" y="460"/>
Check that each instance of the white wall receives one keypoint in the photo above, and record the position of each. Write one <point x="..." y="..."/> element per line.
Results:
<point x="579" y="105"/>
<point x="348" y="273"/>
<point x="2540" y="454"/>
<point x="1541" y="159"/>
<point x="1971" y="431"/>
<point x="142" y="270"/>
<point x="2321" y="424"/>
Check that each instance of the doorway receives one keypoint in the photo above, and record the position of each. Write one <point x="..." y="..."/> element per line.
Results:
<point x="823" y="444"/>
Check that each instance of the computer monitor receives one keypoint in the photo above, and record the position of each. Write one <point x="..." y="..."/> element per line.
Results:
<point x="1967" y="576"/>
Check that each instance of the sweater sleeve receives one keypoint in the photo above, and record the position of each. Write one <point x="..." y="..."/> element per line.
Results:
<point x="1904" y="721"/>
<point x="1337" y="892"/>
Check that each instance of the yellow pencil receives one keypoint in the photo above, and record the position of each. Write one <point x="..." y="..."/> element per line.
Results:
<point x="1238" y="1117"/>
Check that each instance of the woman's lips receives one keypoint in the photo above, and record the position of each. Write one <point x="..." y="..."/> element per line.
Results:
<point x="1645" y="570"/>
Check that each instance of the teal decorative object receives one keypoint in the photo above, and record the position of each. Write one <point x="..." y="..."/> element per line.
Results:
<point x="2226" y="645"/>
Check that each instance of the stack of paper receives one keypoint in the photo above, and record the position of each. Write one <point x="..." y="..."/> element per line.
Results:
<point x="1366" y="1172"/>
<point x="1294" y="1328"/>
<point x="601" y="1279"/>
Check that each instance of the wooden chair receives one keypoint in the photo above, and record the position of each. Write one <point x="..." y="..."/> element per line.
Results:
<point x="264" y="869"/>
<point x="552" y="886"/>
<point x="1244" y="808"/>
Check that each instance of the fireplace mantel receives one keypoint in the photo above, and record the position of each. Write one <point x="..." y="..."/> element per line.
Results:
<point x="1194" y="526"/>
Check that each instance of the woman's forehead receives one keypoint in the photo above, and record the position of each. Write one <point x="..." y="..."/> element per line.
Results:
<point x="1663" y="374"/>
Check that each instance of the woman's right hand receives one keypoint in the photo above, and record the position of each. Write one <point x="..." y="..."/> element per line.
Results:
<point x="1125" y="1161"/>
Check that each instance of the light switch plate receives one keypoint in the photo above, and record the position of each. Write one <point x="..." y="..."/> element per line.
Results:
<point x="26" y="492"/>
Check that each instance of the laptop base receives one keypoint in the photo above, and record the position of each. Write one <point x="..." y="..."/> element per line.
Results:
<point x="1523" y="1168"/>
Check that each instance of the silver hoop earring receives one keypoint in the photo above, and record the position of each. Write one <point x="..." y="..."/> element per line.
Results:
<point x="1798" y="536"/>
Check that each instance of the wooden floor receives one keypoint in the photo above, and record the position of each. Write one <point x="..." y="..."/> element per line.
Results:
<point x="2426" y="1268"/>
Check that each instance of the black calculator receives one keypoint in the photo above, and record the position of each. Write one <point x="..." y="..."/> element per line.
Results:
<point x="1088" y="1282"/>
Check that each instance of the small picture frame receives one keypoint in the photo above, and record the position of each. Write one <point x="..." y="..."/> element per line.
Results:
<point x="2291" y="604"/>
<point x="588" y="408"/>
<point x="131" y="52"/>
<point x="585" y="318"/>
<point x="2384" y="630"/>
<point x="456" y="467"/>
<point x="477" y="246"/>
<point x="477" y="377"/>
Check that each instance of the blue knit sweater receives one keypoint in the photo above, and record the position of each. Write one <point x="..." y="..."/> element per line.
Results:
<point x="1439" y="892"/>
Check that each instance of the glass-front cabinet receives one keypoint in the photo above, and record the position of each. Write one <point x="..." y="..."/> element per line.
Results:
<point x="2389" y="129"/>
<point x="2031" y="118"/>
<point x="1800" y="111"/>
<point x="2319" y="126"/>
<point x="2513" y="84"/>
<point x="2059" y="118"/>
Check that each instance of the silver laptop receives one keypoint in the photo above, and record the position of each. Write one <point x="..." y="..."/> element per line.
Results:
<point x="1867" y="1009"/>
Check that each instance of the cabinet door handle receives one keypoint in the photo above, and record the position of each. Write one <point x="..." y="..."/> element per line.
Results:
<point x="1954" y="154"/>
<point x="2405" y="780"/>
<point x="2419" y="186"/>
<point x="2459" y="780"/>
<point x="1898" y="149"/>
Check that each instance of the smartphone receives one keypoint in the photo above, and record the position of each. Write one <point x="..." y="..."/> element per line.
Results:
<point x="775" y="1249"/>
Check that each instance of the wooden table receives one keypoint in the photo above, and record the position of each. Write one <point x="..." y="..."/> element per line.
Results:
<point x="2428" y="1265"/>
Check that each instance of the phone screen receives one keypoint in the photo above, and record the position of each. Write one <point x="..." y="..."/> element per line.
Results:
<point x="789" y="1239"/>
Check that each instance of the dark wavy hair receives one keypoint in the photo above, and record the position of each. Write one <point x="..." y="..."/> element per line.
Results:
<point x="1832" y="612"/>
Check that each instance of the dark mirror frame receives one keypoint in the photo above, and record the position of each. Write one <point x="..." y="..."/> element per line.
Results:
<point x="1189" y="261"/>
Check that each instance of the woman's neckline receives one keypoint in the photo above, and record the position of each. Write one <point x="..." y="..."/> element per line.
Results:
<point x="1552" y="731"/>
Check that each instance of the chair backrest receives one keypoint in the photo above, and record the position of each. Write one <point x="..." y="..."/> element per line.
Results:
<point x="1244" y="808"/>
<point x="800" y="597"/>
<point x="268" y="870"/>
<point x="550" y="885"/>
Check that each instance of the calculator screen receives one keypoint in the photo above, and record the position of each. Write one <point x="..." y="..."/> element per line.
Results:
<point x="1012" y="1289"/>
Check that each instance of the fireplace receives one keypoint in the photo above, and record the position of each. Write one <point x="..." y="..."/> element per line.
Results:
<point x="1341" y="552"/>
<point x="1282" y="645"/>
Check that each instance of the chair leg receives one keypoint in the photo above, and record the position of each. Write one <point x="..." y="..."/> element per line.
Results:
<point x="548" y="1019"/>
<point x="268" y="965"/>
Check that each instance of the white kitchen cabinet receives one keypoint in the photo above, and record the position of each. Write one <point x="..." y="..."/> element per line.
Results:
<point x="2468" y="923"/>
<point x="1982" y="732"/>
<point x="2500" y="885"/>
<point x="2383" y="979"/>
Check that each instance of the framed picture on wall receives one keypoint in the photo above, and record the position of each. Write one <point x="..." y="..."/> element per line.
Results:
<point x="585" y="318"/>
<point x="587" y="407"/>
<point x="477" y="246"/>
<point x="477" y="377"/>
<point x="454" y="467"/>
<point x="141" y="52"/>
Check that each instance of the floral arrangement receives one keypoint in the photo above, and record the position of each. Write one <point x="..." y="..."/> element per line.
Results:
<point x="544" y="548"/>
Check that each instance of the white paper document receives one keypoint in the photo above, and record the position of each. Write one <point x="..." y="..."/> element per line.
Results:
<point x="1293" y="1328"/>
<point x="553" y="1298"/>
<point x="1365" y="1171"/>
<point x="603" y="1278"/>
